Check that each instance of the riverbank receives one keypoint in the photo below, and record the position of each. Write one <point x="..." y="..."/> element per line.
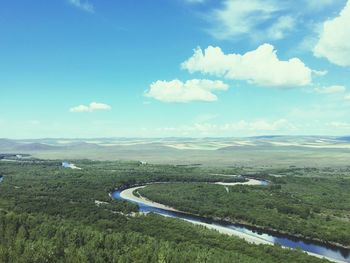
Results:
<point x="249" y="182"/>
<point x="128" y="194"/>
<point x="264" y="228"/>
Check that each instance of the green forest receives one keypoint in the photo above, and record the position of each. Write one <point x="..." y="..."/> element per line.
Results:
<point x="316" y="208"/>
<point x="49" y="214"/>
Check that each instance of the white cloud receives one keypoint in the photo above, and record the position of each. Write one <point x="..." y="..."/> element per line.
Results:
<point x="347" y="97"/>
<point x="83" y="5"/>
<point x="334" y="42"/>
<point x="340" y="125"/>
<point x="99" y="106"/>
<point x="320" y="73"/>
<point x="262" y="20"/>
<point x="331" y="89"/>
<point x="318" y="4"/>
<point x="80" y="108"/>
<point x="237" y="17"/>
<point x="283" y="24"/>
<point x="93" y="106"/>
<point x="261" y="67"/>
<point x="191" y="90"/>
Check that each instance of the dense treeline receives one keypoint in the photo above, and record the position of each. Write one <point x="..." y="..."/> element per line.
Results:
<point x="317" y="208"/>
<point x="28" y="238"/>
<point x="39" y="239"/>
<point x="52" y="214"/>
<point x="46" y="185"/>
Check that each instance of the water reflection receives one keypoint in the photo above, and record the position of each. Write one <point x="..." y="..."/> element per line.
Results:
<point x="283" y="240"/>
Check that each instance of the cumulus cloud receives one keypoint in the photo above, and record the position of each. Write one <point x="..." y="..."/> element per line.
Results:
<point x="334" y="41"/>
<point x="261" y="67"/>
<point x="93" y="106"/>
<point x="80" y="108"/>
<point x="331" y="89"/>
<point x="191" y="90"/>
<point x="83" y="5"/>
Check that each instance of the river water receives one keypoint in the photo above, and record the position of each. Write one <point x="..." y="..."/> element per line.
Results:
<point x="329" y="251"/>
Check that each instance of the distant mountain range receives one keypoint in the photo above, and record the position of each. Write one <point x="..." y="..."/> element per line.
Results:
<point x="177" y="143"/>
<point x="265" y="149"/>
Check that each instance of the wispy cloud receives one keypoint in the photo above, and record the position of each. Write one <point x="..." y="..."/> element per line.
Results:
<point x="281" y="27"/>
<point x="93" y="106"/>
<point x="318" y="4"/>
<point x="83" y="5"/>
<point x="331" y="89"/>
<point x="336" y="124"/>
<point x="260" y="20"/>
<point x="236" y="18"/>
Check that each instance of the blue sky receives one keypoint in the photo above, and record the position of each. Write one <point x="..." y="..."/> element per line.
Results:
<point x="88" y="68"/>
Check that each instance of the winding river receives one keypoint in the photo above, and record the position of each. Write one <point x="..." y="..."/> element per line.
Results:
<point x="250" y="234"/>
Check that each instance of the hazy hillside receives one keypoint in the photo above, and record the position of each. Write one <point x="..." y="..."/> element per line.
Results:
<point x="264" y="150"/>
